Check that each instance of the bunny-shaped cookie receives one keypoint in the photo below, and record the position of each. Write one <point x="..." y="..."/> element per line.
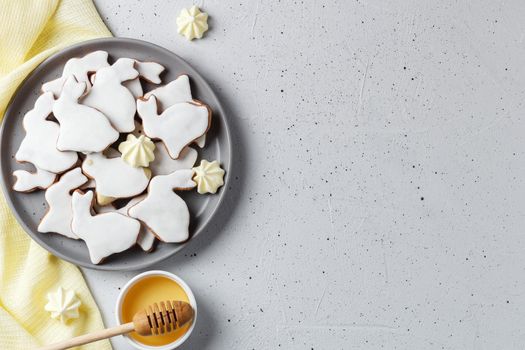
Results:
<point x="162" y="210"/>
<point x="104" y="234"/>
<point x="80" y="69"/>
<point x="109" y="96"/>
<point x="177" y="126"/>
<point x="82" y="128"/>
<point x="58" y="196"/>
<point x="39" y="144"/>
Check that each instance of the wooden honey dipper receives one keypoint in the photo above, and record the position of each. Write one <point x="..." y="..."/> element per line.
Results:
<point x="159" y="318"/>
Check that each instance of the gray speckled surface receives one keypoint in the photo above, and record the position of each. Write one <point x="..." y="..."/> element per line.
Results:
<point x="380" y="180"/>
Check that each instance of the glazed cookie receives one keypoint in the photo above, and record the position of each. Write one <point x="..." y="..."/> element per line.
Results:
<point x="164" y="164"/>
<point x="163" y="211"/>
<point x="110" y="97"/>
<point x="82" y="128"/>
<point x="28" y="182"/>
<point x="104" y="234"/>
<point x="146" y="239"/>
<point x="58" y="196"/>
<point x="201" y="141"/>
<point x="102" y="200"/>
<point x="176" y="91"/>
<point x="149" y="71"/>
<point x="135" y="87"/>
<point x="113" y="177"/>
<point x="39" y="144"/>
<point x="78" y="68"/>
<point x="177" y="126"/>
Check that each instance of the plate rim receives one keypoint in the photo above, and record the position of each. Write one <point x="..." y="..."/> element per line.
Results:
<point x="108" y="267"/>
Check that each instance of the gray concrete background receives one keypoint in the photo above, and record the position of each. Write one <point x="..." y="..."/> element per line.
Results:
<point x="378" y="199"/>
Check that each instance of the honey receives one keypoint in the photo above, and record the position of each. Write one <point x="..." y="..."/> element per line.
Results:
<point x="145" y="292"/>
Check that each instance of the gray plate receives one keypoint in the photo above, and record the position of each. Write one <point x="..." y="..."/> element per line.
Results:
<point x="29" y="208"/>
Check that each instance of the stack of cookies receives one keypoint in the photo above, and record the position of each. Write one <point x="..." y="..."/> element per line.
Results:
<point x="111" y="156"/>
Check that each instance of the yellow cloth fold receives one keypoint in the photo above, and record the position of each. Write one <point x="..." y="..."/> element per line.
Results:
<point x="30" y="31"/>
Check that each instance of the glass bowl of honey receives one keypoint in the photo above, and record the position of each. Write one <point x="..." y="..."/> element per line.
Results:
<point x="152" y="287"/>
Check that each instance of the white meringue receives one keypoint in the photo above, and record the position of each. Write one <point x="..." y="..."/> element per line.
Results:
<point x="209" y="176"/>
<point x="137" y="152"/>
<point x="63" y="305"/>
<point x="192" y="23"/>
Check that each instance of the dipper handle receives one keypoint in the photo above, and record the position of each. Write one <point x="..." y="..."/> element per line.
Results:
<point x="154" y="319"/>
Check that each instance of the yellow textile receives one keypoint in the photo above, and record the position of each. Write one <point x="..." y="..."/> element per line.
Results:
<point x="30" y="31"/>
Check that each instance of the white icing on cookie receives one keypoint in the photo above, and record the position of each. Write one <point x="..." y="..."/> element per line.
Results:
<point x="164" y="164"/>
<point x="109" y="96"/>
<point x="177" y="126"/>
<point x="114" y="177"/>
<point x="146" y="239"/>
<point x="39" y="143"/>
<point x="176" y="91"/>
<point x="27" y="181"/>
<point x="135" y="87"/>
<point x="149" y="71"/>
<point x="59" y="215"/>
<point x="82" y="128"/>
<point x="201" y="141"/>
<point x="104" y="234"/>
<point x="79" y="68"/>
<point x="163" y="211"/>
